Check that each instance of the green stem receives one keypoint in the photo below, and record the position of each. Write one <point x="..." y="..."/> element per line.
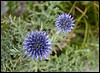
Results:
<point x="85" y="34"/>
<point x="37" y="66"/>
<point x="54" y="37"/>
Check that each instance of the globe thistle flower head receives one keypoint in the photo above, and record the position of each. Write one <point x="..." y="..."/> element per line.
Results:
<point x="37" y="45"/>
<point x="64" y="23"/>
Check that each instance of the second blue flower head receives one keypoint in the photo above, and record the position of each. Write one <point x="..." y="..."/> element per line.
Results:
<point x="64" y="23"/>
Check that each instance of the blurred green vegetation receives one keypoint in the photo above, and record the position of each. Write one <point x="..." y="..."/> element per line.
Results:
<point x="76" y="51"/>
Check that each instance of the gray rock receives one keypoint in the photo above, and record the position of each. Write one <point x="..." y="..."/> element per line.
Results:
<point x="4" y="8"/>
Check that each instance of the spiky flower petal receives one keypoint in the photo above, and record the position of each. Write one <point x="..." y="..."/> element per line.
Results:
<point x="64" y="23"/>
<point x="37" y="45"/>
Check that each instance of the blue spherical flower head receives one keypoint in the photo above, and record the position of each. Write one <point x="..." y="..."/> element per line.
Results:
<point x="64" y="23"/>
<point x="37" y="45"/>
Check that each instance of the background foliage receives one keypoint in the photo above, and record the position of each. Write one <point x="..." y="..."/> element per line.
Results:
<point x="76" y="51"/>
